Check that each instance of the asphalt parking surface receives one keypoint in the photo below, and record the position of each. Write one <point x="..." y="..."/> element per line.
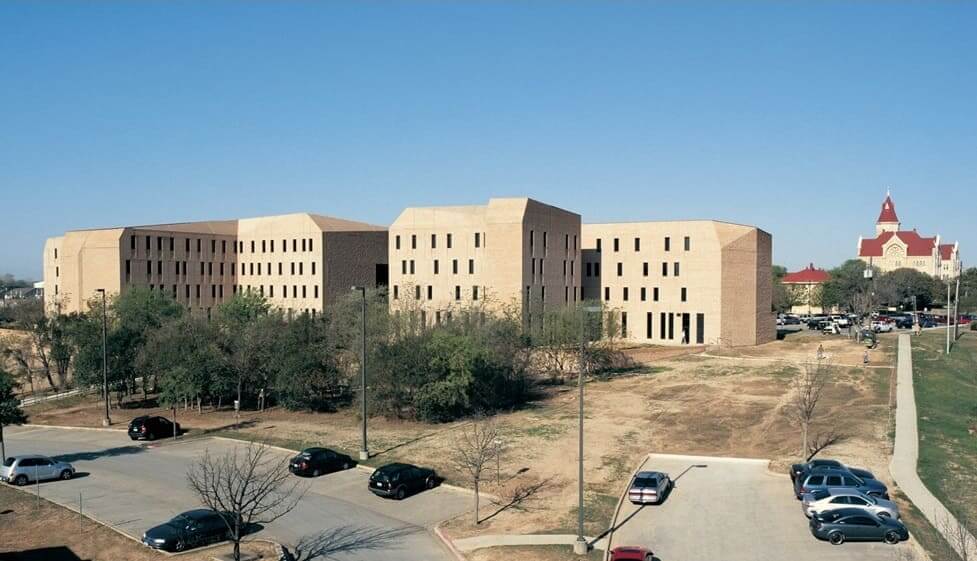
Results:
<point x="133" y="486"/>
<point x="730" y="510"/>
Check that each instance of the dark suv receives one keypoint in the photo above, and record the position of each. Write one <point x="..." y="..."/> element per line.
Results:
<point x="825" y="478"/>
<point x="399" y="480"/>
<point x="151" y="428"/>
<point x="316" y="461"/>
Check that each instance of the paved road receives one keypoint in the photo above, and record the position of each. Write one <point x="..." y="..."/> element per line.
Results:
<point x="133" y="486"/>
<point x="734" y="510"/>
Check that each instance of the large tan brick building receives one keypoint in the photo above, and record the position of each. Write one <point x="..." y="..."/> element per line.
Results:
<point x="298" y="261"/>
<point x="698" y="282"/>
<point x="510" y="252"/>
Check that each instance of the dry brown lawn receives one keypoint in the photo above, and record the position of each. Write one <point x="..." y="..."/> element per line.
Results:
<point x="729" y="405"/>
<point x="35" y="531"/>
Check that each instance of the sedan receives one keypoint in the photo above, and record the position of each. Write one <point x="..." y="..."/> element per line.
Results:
<point x="316" y="461"/>
<point x="631" y="553"/>
<point x="824" y="500"/>
<point x="649" y="487"/>
<point x="21" y="470"/>
<point x="190" y="529"/>
<point x="856" y="524"/>
<point x="399" y="480"/>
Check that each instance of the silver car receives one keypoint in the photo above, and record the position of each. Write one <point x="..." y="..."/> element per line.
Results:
<point x="649" y="487"/>
<point x="21" y="470"/>
<point x="833" y="498"/>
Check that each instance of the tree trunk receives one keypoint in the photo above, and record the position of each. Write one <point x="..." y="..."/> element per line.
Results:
<point x="50" y="380"/>
<point x="3" y="446"/>
<point x="476" y="501"/>
<point x="804" y="451"/>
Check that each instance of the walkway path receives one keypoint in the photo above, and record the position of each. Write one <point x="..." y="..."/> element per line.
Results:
<point x="906" y="454"/>
<point x="494" y="540"/>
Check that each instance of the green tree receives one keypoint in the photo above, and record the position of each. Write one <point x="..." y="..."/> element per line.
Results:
<point x="849" y="290"/>
<point x="897" y="288"/>
<point x="968" y="290"/>
<point x="10" y="411"/>
<point x="246" y="325"/>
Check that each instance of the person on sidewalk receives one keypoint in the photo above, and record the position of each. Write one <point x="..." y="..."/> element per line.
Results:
<point x="820" y="352"/>
<point x="865" y="358"/>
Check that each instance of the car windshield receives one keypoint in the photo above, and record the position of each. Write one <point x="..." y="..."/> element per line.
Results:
<point x="646" y="482"/>
<point x="181" y="520"/>
<point x="8" y="462"/>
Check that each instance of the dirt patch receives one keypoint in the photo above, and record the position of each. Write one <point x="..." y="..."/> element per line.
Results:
<point x="38" y="530"/>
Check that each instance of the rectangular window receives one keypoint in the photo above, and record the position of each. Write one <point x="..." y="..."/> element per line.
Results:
<point x="303" y="291"/>
<point x="620" y="269"/>
<point x="648" y="322"/>
<point x="671" y="326"/>
<point x="700" y="328"/>
<point x="300" y="268"/>
<point x="471" y="266"/>
<point x="625" y="293"/>
<point x="295" y="289"/>
<point x="171" y="247"/>
<point x="668" y="243"/>
<point x="184" y="268"/>
<point x="188" y="291"/>
<point x="198" y="292"/>
<point x="132" y="244"/>
<point x="644" y="268"/>
<point x="544" y="243"/>
<point x="417" y="292"/>
<point x="397" y="242"/>
<point x="644" y="293"/>
<point x="128" y="267"/>
<point x="617" y="244"/>
<point x="396" y="292"/>
<point x="315" y="290"/>
<point x="293" y="267"/>
<point x="655" y="294"/>
<point x="624" y="324"/>
<point x="454" y="266"/>
<point x="148" y="242"/>
<point x="474" y="293"/>
<point x="566" y="294"/>
<point x="412" y="266"/>
<point x="149" y="268"/>
<point x="434" y="241"/>
<point x="566" y="242"/>
<point x="251" y="269"/>
<point x="413" y="241"/>
<point x="310" y="244"/>
<point x="198" y="246"/>
<point x="661" y="326"/>
<point x="664" y="269"/>
<point x="303" y="244"/>
<point x="596" y="269"/>
<point x="213" y="246"/>
<point x="590" y="269"/>
<point x="210" y="269"/>
<point x="232" y="269"/>
<point x="637" y="244"/>
<point x="478" y="239"/>
<point x="457" y="293"/>
<point x="598" y="244"/>
<point x="675" y="269"/>
<point x="264" y="246"/>
<point x="607" y="293"/>
<point x="279" y="267"/>
<point x="295" y="245"/>
<point x="435" y="266"/>
<point x="430" y="292"/>
<point x="684" y="294"/>
<point x="403" y="267"/>
<point x="532" y="242"/>
<point x="213" y="291"/>
<point x="688" y="246"/>
<point x="448" y="241"/>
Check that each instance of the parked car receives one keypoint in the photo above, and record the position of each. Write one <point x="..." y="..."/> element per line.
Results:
<point x="904" y="322"/>
<point x="399" y="480"/>
<point x="830" y="327"/>
<point x="151" y="428"/>
<point x="823" y="500"/>
<point x="806" y="467"/>
<point x="631" y="553"/>
<point x="792" y="320"/>
<point x="841" y="320"/>
<point x="190" y="529"/>
<point x="856" y="524"/>
<point x="649" y="487"/>
<point x="926" y="321"/>
<point x="826" y="478"/>
<point x="881" y="326"/>
<point x="21" y="470"/>
<point x="316" y="461"/>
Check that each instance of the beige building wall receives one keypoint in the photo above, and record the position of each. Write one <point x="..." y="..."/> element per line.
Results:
<point x="203" y="264"/>
<point x="508" y="252"/>
<point x="686" y="282"/>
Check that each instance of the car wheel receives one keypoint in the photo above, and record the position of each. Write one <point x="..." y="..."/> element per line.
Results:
<point x="20" y="480"/>
<point x="316" y="473"/>
<point x="401" y="493"/>
<point x="836" y="538"/>
<point x="179" y="546"/>
<point x="66" y="474"/>
<point x="429" y="482"/>
<point x="891" y="537"/>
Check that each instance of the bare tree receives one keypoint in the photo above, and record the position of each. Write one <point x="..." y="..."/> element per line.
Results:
<point x="806" y="391"/>
<point x="821" y="441"/>
<point x="958" y="535"/>
<point x="246" y="487"/>
<point x="474" y="448"/>
<point x="346" y="540"/>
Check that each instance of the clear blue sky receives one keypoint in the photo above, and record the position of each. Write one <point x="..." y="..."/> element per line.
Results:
<point x="791" y="116"/>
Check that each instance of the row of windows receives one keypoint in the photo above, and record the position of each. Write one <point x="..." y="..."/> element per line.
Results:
<point x="180" y="268"/>
<point x="250" y="269"/>
<point x="239" y="247"/>
<point x="217" y="290"/>
<point x="479" y="239"/>
<point x="686" y="244"/>
<point x="568" y="268"/>
<point x="430" y="292"/>
<point x="566" y="243"/>
<point x="625" y="293"/>
<point x="593" y="269"/>
<point x="407" y="267"/>
<point x="667" y="328"/>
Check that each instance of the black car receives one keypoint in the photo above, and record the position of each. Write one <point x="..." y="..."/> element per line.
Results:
<point x="856" y="524"/>
<point x="399" y="480"/>
<point x="316" y="461"/>
<point x="190" y="529"/>
<point x="803" y="469"/>
<point x="151" y="428"/>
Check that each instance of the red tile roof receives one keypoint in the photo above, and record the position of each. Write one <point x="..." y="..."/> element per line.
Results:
<point x="916" y="245"/>
<point x="807" y="275"/>
<point x="946" y="251"/>
<point x="888" y="213"/>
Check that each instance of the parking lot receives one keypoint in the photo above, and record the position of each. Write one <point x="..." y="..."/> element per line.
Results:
<point x="132" y="486"/>
<point x="730" y="509"/>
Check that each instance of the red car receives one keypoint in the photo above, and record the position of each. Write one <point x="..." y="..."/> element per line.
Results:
<point x="631" y="553"/>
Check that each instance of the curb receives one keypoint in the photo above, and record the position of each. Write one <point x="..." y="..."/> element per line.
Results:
<point x="617" y="510"/>
<point x="103" y="429"/>
<point x="450" y="545"/>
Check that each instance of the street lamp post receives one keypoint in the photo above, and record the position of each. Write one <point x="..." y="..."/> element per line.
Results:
<point x="105" y="371"/>
<point x="580" y="546"/>
<point x="364" y="451"/>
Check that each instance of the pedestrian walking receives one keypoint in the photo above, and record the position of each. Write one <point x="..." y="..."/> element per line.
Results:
<point x="820" y="352"/>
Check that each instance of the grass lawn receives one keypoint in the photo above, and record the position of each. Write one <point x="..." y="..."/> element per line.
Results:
<point x="537" y="553"/>
<point x="946" y="402"/>
<point x="42" y="531"/>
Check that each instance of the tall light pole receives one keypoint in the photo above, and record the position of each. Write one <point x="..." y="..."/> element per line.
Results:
<point x="105" y="369"/>
<point x="580" y="546"/>
<point x="948" y="316"/>
<point x="364" y="451"/>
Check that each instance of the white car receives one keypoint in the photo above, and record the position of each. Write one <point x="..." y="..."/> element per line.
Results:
<point x="822" y="500"/>
<point x="881" y="326"/>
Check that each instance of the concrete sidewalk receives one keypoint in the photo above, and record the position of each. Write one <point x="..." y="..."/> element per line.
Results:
<point x="496" y="540"/>
<point x="906" y="454"/>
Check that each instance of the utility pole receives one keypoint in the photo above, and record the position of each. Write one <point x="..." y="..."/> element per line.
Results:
<point x="106" y="421"/>
<point x="947" y="317"/>
<point x="364" y="450"/>
<point x="956" y="311"/>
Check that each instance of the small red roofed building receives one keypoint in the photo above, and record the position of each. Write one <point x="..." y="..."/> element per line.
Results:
<point x="893" y="248"/>
<point x="805" y="288"/>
